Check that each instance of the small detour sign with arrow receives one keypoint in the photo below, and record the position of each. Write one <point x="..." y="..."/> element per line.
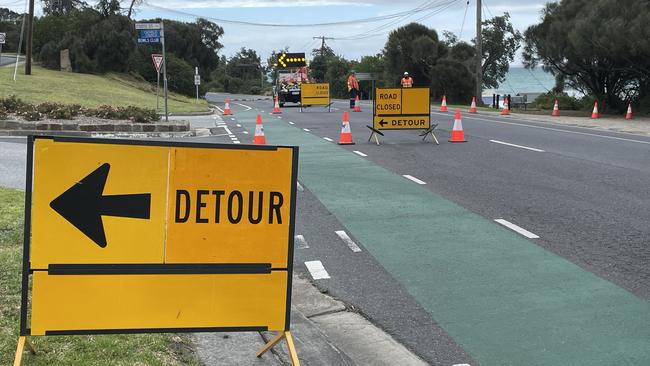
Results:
<point x="401" y="109"/>
<point x="126" y="236"/>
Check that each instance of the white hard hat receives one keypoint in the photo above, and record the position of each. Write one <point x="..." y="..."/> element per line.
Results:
<point x="406" y="73"/>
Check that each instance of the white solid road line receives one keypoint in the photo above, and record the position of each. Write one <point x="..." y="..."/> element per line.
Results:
<point x="410" y="177"/>
<point x="348" y="241"/>
<point x="551" y="128"/>
<point x="518" y="229"/>
<point x="301" y="243"/>
<point x="306" y="129"/>
<point x="220" y="110"/>
<point x="519" y="146"/>
<point x="299" y="187"/>
<point x="327" y="139"/>
<point x="245" y="106"/>
<point x="359" y="153"/>
<point x="317" y="270"/>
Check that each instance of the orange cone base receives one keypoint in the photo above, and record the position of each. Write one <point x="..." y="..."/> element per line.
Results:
<point x="227" y="112"/>
<point x="595" y="115"/>
<point x="356" y="109"/>
<point x="346" y="143"/>
<point x="443" y="109"/>
<point x="259" y="140"/>
<point x="277" y="111"/>
<point x="505" y="112"/>
<point x="555" y="114"/>
<point x="457" y="136"/>
<point x="473" y="110"/>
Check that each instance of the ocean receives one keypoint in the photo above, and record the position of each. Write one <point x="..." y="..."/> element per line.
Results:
<point x="522" y="81"/>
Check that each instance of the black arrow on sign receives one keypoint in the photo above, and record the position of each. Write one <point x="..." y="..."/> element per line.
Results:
<point x="382" y="122"/>
<point x="83" y="205"/>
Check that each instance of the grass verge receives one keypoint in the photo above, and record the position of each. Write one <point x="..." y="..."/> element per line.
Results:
<point x="144" y="349"/>
<point x="89" y="90"/>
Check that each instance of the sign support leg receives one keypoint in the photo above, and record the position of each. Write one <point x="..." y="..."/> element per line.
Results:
<point x="20" y="348"/>
<point x="292" y="348"/>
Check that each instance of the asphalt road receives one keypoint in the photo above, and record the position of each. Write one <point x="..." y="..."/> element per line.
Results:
<point x="5" y="60"/>
<point x="432" y="267"/>
<point x="583" y="192"/>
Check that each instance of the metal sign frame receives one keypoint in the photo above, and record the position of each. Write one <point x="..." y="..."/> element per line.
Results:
<point x="374" y="109"/>
<point x="135" y="269"/>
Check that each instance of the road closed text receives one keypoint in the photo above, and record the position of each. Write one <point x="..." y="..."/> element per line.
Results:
<point x="221" y="206"/>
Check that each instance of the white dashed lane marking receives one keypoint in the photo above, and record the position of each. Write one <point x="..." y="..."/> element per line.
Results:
<point x="348" y="241"/>
<point x="317" y="270"/>
<point x="517" y="229"/>
<point x="414" y="179"/>
<point x="359" y="153"/>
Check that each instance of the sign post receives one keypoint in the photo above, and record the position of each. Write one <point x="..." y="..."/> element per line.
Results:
<point x="401" y="109"/>
<point x="157" y="63"/>
<point x="128" y="236"/>
<point x="155" y="33"/>
<point x="197" y="82"/>
<point x="3" y="37"/>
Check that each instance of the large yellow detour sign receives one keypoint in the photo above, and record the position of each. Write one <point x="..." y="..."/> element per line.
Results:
<point x="140" y="236"/>
<point x="401" y="109"/>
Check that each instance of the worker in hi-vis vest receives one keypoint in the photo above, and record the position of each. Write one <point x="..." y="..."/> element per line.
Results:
<point x="407" y="81"/>
<point x="353" y="88"/>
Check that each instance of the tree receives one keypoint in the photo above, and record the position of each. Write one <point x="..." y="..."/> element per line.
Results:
<point x="337" y="72"/>
<point x="323" y="51"/>
<point x="598" y="47"/>
<point x="500" y="41"/>
<point x="10" y="23"/>
<point x="108" y="7"/>
<point x="246" y="65"/>
<point x="133" y="4"/>
<point x="413" y="48"/>
<point x="62" y="7"/>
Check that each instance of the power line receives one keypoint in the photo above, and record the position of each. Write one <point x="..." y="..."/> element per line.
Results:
<point x="460" y="35"/>
<point x="241" y="22"/>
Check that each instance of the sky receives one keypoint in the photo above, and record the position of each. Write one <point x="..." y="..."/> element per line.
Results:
<point x="456" y="16"/>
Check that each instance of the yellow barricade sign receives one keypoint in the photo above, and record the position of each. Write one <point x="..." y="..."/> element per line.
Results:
<point x="401" y="109"/>
<point x="314" y="94"/>
<point x="142" y="236"/>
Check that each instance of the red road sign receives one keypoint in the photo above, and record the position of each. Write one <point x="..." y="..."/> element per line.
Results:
<point x="157" y="61"/>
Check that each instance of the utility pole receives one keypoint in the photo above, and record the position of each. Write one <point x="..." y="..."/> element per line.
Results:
<point x="479" y="56"/>
<point x="322" y="45"/>
<point x="28" y="50"/>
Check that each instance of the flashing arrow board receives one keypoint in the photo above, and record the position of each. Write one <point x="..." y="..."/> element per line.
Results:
<point x="292" y="60"/>
<point x="140" y="236"/>
<point x="315" y="94"/>
<point x="401" y="109"/>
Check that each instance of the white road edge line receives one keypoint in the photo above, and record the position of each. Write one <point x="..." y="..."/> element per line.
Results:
<point x="518" y="229"/>
<point x="359" y="153"/>
<point x="317" y="270"/>
<point x="348" y="241"/>
<point x="327" y="139"/>
<point x="410" y="177"/>
<point x="245" y="106"/>
<point x="301" y="243"/>
<point x="519" y="146"/>
<point x="220" y="110"/>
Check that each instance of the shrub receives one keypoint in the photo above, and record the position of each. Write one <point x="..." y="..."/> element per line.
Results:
<point x="565" y="101"/>
<point x="32" y="115"/>
<point x="141" y="115"/>
<point x="13" y="104"/>
<point x="3" y="113"/>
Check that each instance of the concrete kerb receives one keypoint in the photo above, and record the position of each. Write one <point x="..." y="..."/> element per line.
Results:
<point x="23" y="128"/>
<point x="325" y="333"/>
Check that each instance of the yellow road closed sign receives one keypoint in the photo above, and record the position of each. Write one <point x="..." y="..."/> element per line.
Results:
<point x="140" y="236"/>
<point x="315" y="94"/>
<point x="401" y="109"/>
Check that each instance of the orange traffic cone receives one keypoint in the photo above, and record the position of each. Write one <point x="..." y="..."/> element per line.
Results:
<point x="357" y="106"/>
<point x="346" y="133"/>
<point x="276" y="108"/>
<point x="594" y="113"/>
<point x="472" y="108"/>
<point x="457" y="134"/>
<point x="259" y="138"/>
<point x="226" y="108"/>
<point x="443" y="106"/>
<point x="628" y="115"/>
<point x="506" y="109"/>
<point x="556" y="110"/>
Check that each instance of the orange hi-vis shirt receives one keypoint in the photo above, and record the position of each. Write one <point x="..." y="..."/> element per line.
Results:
<point x="352" y="83"/>
<point x="407" y="82"/>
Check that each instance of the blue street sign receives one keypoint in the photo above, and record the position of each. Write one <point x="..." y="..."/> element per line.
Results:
<point x="149" y="36"/>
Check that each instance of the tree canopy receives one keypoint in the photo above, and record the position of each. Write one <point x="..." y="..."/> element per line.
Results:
<point x="598" y="47"/>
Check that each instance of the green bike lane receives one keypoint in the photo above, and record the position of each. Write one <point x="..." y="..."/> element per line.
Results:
<point x="506" y="300"/>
